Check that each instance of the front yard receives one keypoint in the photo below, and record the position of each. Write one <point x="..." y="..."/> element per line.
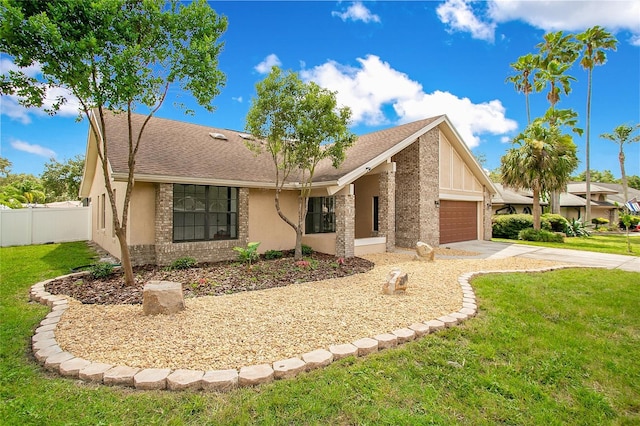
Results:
<point x="602" y="243"/>
<point x="552" y="348"/>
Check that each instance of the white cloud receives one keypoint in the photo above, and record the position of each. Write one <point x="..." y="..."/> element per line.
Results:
<point x="357" y="12"/>
<point x="270" y="61"/>
<point x="33" y="149"/>
<point x="237" y="99"/>
<point x="367" y="89"/>
<point x="7" y="65"/>
<point x="459" y="16"/>
<point x="481" y="18"/>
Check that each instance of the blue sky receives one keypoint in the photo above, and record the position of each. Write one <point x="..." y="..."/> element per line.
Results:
<point x="391" y="62"/>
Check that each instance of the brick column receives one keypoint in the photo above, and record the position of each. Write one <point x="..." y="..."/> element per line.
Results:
<point x="387" y="208"/>
<point x="345" y="224"/>
<point x="429" y="173"/>
<point x="486" y="215"/>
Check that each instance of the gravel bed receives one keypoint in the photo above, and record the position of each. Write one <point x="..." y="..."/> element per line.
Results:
<point x="264" y="326"/>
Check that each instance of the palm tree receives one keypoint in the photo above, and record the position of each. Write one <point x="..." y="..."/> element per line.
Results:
<point x="525" y="66"/>
<point x="541" y="160"/>
<point x="621" y="135"/>
<point x="594" y="40"/>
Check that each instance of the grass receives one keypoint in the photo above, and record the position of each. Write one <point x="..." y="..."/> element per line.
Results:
<point x="553" y="348"/>
<point x="614" y="244"/>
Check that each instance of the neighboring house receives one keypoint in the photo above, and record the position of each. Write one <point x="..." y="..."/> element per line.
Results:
<point x="199" y="191"/>
<point x="601" y="206"/>
<point x="509" y="201"/>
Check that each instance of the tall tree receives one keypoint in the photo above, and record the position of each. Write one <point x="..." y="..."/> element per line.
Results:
<point x="61" y="181"/>
<point x="5" y="167"/>
<point x="300" y="125"/>
<point x="541" y="160"/>
<point x="595" y="41"/>
<point x="623" y="134"/>
<point x="525" y="67"/>
<point x="117" y="55"/>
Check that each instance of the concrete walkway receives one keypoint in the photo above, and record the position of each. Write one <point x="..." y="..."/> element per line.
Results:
<point x="496" y="250"/>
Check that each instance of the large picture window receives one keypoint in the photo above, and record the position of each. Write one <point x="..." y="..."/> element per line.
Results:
<point x="321" y="215"/>
<point x="202" y="213"/>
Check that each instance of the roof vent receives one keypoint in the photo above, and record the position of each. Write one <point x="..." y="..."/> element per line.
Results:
<point x="218" y="136"/>
<point x="246" y="136"/>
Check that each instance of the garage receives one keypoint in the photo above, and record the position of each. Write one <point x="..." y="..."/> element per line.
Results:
<point x="458" y="221"/>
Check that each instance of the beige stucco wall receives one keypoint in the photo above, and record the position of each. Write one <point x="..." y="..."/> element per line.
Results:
<point x="324" y="243"/>
<point x="142" y="214"/>
<point x="365" y="189"/>
<point x="266" y="226"/>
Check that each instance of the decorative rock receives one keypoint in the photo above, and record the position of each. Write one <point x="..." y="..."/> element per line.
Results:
<point x="62" y="307"/>
<point x="120" y="375"/>
<point x="435" y="325"/>
<point x="459" y="316"/>
<point x="48" y="321"/>
<point x="43" y="328"/>
<point x="94" y="372"/>
<point x="343" y="351"/>
<point x="47" y="352"/>
<point x="404" y="335"/>
<point x="318" y="358"/>
<point x="53" y="362"/>
<point x="220" y="380"/>
<point x="469" y="300"/>
<point x="45" y="335"/>
<point x="386" y="340"/>
<point x="424" y="252"/>
<point x="288" y="368"/>
<point x="448" y="320"/>
<point x="41" y="344"/>
<point x="53" y="298"/>
<point x="255" y="375"/>
<point x="55" y="314"/>
<point x="185" y="379"/>
<point x="366" y="346"/>
<point x="469" y="305"/>
<point x="162" y="297"/>
<point x="73" y="366"/>
<point x="151" y="378"/>
<point x="396" y="282"/>
<point x="420" y="329"/>
<point x="468" y="311"/>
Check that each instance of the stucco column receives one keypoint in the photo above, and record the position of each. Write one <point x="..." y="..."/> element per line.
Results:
<point x="387" y="208"/>
<point x="486" y="215"/>
<point x="345" y="223"/>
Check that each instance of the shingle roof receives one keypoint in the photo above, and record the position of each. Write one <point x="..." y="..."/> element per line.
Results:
<point x="182" y="150"/>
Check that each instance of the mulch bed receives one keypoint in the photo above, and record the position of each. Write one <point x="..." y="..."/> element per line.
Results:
<point x="210" y="279"/>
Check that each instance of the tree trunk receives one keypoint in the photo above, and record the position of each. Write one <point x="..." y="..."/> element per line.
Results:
<point x="536" y="208"/>
<point x="625" y="190"/>
<point x="125" y="256"/>
<point x="587" y="174"/>
<point x="298" y="229"/>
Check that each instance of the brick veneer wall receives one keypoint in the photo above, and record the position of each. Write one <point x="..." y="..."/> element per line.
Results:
<point x="387" y="208"/>
<point x="166" y="251"/>
<point x="417" y="190"/>
<point x="345" y="225"/>
<point x="486" y="215"/>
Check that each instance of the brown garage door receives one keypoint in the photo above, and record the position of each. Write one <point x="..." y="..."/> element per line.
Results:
<point x="458" y="221"/>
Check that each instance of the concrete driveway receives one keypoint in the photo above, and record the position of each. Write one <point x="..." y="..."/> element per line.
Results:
<point x="496" y="250"/>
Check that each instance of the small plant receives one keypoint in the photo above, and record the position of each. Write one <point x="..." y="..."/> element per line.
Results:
<point x="183" y="263"/>
<point x="306" y="250"/>
<point x="531" y="234"/>
<point x="575" y="228"/>
<point x="303" y="264"/>
<point x="272" y="254"/>
<point x="248" y="254"/>
<point x="599" y="221"/>
<point x="101" y="270"/>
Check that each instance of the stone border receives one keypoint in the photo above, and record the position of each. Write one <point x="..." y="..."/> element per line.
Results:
<point x="47" y="351"/>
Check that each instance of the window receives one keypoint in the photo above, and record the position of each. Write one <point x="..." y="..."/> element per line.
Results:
<point x="321" y="215"/>
<point x="202" y="213"/>
<point x="375" y="213"/>
<point x="103" y="211"/>
<point x="526" y="210"/>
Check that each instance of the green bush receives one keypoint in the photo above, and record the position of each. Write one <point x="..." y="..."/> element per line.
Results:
<point x="556" y="222"/>
<point x="101" y="270"/>
<point x="183" y="263"/>
<point x="509" y="225"/>
<point x="248" y="254"/>
<point x="272" y="254"/>
<point x="306" y="250"/>
<point x="575" y="228"/>
<point x="531" y="234"/>
<point x="634" y="220"/>
<point x="597" y="221"/>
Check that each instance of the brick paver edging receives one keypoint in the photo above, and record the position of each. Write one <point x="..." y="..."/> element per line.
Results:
<point x="50" y="354"/>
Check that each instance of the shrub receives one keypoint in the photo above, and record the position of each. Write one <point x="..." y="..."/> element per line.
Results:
<point x="575" y="228"/>
<point x="597" y="221"/>
<point x="272" y="254"/>
<point x="556" y="222"/>
<point x="633" y="221"/>
<point x="183" y="263"/>
<point x="248" y="254"/>
<point x="101" y="270"/>
<point x="531" y="234"/>
<point x="509" y="225"/>
<point x="306" y="250"/>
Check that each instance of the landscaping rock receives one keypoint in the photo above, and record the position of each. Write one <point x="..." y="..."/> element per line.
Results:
<point x="386" y="340"/>
<point x="343" y="351"/>
<point x="404" y="335"/>
<point x="420" y="329"/>
<point x="318" y="358"/>
<point x="366" y="346"/>
<point x="94" y="372"/>
<point x="151" y="378"/>
<point x="73" y="366"/>
<point x="448" y="321"/>
<point x="255" y="375"/>
<point x="45" y="353"/>
<point x="162" y="297"/>
<point x="288" y="368"/>
<point x="396" y="282"/>
<point x="41" y="344"/>
<point x="424" y="252"/>
<point x="185" y="379"/>
<point x="435" y="325"/>
<point x="120" y="375"/>
<point x="53" y="362"/>
<point x="220" y="380"/>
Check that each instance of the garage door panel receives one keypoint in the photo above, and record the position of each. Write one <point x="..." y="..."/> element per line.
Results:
<point x="458" y="221"/>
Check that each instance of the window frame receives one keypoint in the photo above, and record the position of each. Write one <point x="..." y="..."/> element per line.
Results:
<point x="325" y="221"/>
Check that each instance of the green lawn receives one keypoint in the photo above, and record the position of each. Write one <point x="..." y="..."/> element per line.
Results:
<point x="553" y="348"/>
<point x="610" y="243"/>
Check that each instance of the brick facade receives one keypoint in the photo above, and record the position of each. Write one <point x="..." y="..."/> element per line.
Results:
<point x="486" y="216"/>
<point x="387" y="208"/>
<point x="166" y="251"/>
<point x="345" y="225"/>
<point x="417" y="190"/>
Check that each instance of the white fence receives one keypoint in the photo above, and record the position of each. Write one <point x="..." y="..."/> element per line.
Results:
<point x="38" y="226"/>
